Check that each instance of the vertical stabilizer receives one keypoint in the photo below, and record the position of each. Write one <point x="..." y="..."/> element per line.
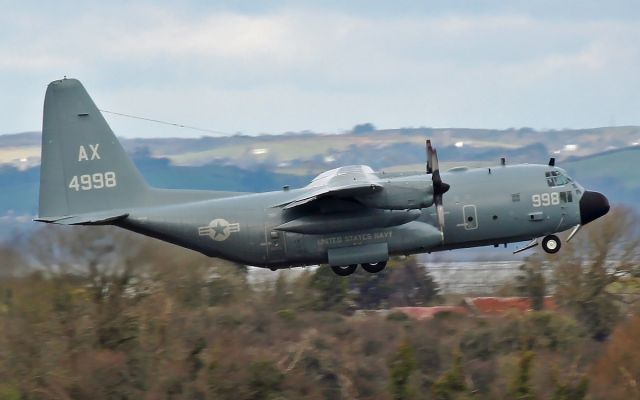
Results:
<point x="84" y="168"/>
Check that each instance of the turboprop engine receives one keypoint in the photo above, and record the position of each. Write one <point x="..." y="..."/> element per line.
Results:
<point x="349" y="221"/>
<point x="404" y="193"/>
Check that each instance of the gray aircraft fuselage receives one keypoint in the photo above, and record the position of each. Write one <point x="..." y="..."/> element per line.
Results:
<point x="481" y="208"/>
<point x="344" y="217"/>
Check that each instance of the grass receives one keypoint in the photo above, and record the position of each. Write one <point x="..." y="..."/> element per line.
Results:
<point x="287" y="148"/>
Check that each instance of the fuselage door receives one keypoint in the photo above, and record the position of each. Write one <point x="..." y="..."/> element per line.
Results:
<point x="275" y="245"/>
<point x="470" y="217"/>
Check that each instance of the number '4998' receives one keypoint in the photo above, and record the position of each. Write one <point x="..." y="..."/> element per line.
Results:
<point x="98" y="180"/>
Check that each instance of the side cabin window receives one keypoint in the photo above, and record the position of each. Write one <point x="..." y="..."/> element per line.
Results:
<point x="555" y="178"/>
<point x="566" y="197"/>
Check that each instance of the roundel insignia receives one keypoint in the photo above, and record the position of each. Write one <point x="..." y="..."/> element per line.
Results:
<point x="219" y="229"/>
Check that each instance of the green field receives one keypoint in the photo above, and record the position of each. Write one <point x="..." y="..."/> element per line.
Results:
<point x="285" y="148"/>
<point x="623" y="166"/>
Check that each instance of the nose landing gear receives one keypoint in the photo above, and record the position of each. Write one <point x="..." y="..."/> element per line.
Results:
<point x="551" y="244"/>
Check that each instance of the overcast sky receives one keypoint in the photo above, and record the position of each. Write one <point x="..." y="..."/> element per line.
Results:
<point x="277" y="66"/>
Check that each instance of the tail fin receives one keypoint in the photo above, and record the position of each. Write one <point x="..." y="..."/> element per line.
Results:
<point x="84" y="168"/>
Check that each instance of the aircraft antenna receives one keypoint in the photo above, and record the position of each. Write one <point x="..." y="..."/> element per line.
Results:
<point x="157" y="121"/>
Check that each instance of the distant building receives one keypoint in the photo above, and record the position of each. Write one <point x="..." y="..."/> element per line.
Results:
<point x="471" y="306"/>
<point x="426" y="313"/>
<point x="485" y="306"/>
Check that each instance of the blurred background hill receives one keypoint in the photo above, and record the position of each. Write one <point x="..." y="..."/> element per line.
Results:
<point x="601" y="158"/>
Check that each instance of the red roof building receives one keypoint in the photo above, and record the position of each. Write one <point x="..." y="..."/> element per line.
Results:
<point x="475" y="306"/>
<point x="502" y="305"/>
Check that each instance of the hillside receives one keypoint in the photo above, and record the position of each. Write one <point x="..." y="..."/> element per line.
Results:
<point x="244" y="163"/>
<point x="381" y="148"/>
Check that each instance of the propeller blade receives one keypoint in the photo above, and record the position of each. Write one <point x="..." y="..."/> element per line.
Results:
<point x="439" y="187"/>
<point x="440" y="212"/>
<point x="429" y="157"/>
<point x="434" y="161"/>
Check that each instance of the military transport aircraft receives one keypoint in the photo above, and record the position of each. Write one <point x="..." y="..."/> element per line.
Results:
<point x="345" y="217"/>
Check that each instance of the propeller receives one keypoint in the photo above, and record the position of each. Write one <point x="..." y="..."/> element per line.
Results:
<point x="429" y="157"/>
<point x="439" y="187"/>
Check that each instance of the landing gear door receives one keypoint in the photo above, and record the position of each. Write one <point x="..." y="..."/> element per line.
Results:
<point x="470" y="216"/>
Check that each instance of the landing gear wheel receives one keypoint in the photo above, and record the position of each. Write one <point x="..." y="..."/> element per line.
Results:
<point x="344" y="270"/>
<point x="551" y="244"/>
<point x="374" y="267"/>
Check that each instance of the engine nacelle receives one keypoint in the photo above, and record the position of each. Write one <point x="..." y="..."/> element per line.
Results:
<point x="403" y="193"/>
<point x="349" y="221"/>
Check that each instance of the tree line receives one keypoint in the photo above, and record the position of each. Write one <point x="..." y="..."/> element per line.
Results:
<point x="104" y="314"/>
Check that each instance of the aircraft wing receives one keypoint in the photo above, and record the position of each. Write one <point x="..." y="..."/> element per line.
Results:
<point x="341" y="191"/>
<point x="343" y="182"/>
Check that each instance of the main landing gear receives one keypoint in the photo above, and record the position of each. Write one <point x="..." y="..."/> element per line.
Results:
<point x="375" y="267"/>
<point x="345" y="270"/>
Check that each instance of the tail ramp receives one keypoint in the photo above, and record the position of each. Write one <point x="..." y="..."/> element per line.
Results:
<point x="85" y="175"/>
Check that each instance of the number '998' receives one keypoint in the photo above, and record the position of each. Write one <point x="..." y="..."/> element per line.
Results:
<point x="545" y="199"/>
<point x="98" y="180"/>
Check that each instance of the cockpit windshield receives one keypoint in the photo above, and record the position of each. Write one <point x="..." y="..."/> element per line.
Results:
<point x="556" y="178"/>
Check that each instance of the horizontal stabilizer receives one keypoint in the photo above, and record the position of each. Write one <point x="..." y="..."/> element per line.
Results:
<point x="84" y="219"/>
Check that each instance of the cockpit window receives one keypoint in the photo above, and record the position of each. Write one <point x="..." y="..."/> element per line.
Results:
<point x="556" y="178"/>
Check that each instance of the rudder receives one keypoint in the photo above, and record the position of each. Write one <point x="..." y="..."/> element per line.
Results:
<point x="84" y="169"/>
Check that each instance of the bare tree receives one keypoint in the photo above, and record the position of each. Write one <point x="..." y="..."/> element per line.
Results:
<point x="605" y="252"/>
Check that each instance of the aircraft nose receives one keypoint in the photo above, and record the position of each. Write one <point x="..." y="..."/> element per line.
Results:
<point x="593" y="205"/>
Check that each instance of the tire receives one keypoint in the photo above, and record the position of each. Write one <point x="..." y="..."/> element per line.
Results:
<point x="551" y="244"/>
<point x="344" y="270"/>
<point x="374" y="267"/>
